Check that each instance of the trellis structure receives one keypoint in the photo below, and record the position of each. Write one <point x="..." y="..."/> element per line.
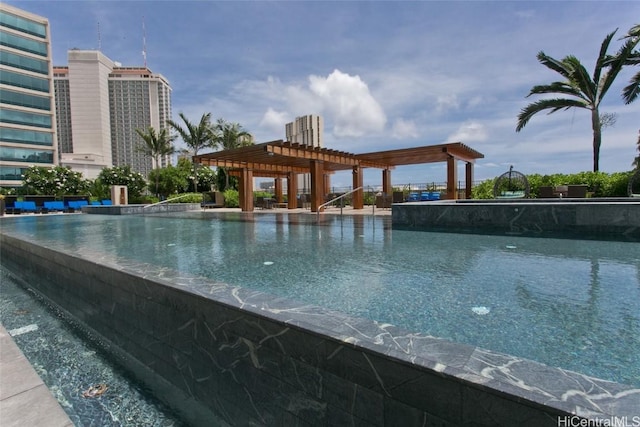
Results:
<point x="280" y="159"/>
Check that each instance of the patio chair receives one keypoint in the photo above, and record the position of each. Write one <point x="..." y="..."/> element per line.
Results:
<point x="546" y="192"/>
<point x="578" y="191"/>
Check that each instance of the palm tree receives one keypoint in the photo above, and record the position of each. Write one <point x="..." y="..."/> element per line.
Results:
<point x="230" y="136"/>
<point x="196" y="137"/>
<point x="636" y="161"/>
<point x="584" y="91"/>
<point x="630" y="92"/>
<point x="156" y="145"/>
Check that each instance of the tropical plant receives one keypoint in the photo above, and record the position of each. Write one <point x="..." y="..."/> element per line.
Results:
<point x="636" y="161"/>
<point x="123" y="175"/>
<point x="196" y="137"/>
<point x="156" y="145"/>
<point x="583" y="91"/>
<point x="170" y="180"/>
<point x="230" y="136"/>
<point x="630" y="92"/>
<point x="231" y="198"/>
<point x="58" y="181"/>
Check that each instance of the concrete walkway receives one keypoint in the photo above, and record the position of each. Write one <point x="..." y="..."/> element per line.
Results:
<point x="24" y="398"/>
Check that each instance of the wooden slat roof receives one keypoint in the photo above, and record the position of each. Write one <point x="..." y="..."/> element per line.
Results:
<point x="277" y="158"/>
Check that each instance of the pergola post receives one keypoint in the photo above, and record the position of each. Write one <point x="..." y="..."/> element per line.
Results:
<point x="452" y="178"/>
<point x="386" y="182"/>
<point x="292" y="190"/>
<point x="317" y="184"/>
<point x="358" y="196"/>
<point x="278" y="188"/>
<point x="246" y="190"/>
<point x="468" y="180"/>
<point x="327" y="183"/>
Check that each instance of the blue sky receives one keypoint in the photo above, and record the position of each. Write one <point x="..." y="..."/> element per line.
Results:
<point x="384" y="75"/>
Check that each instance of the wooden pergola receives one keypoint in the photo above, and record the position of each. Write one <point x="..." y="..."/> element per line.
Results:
<point x="280" y="159"/>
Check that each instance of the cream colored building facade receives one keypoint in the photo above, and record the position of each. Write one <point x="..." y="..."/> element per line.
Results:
<point x="100" y="105"/>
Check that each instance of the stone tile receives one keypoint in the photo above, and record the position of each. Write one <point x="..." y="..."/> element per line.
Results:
<point x="33" y="408"/>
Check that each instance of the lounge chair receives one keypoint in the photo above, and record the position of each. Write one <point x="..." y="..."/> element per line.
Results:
<point x="106" y="202"/>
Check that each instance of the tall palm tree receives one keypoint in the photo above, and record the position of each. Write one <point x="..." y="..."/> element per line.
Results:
<point x="584" y="91"/>
<point x="230" y="136"/>
<point x="196" y="137"/>
<point x="156" y="145"/>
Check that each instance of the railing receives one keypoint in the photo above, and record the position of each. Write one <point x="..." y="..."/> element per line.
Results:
<point x="334" y="200"/>
<point x="164" y="201"/>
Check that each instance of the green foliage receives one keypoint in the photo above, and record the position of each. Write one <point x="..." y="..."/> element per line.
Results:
<point x="222" y="180"/>
<point x="171" y="180"/>
<point x="599" y="184"/>
<point x="206" y="177"/>
<point x="186" y="198"/>
<point x="231" y="199"/>
<point x="57" y="181"/>
<point x="123" y="175"/>
<point x="484" y="190"/>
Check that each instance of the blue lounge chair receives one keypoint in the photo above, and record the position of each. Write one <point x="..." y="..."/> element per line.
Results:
<point x="27" y="206"/>
<point x="106" y="202"/>
<point x="54" y="206"/>
<point x="434" y="195"/>
<point x="413" y="197"/>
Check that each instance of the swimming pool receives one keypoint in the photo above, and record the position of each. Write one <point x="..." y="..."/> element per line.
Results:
<point x="565" y="303"/>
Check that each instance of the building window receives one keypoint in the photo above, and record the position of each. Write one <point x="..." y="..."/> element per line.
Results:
<point x="21" y="43"/>
<point x="24" y="62"/>
<point x="25" y="118"/>
<point x="19" y="23"/>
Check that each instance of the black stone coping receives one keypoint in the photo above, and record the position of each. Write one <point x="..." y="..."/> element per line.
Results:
<point x="553" y="390"/>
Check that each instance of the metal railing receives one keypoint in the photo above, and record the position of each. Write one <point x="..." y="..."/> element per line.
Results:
<point x="164" y="201"/>
<point x="334" y="200"/>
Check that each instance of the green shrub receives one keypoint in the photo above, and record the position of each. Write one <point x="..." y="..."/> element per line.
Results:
<point x="185" y="198"/>
<point x="484" y="190"/>
<point x="600" y="184"/>
<point x="231" y="199"/>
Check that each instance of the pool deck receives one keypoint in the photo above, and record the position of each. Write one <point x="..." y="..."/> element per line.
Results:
<point x="24" y="398"/>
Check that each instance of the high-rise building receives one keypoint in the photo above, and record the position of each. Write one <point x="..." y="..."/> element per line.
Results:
<point x="27" y="113"/>
<point x="306" y="130"/>
<point x="100" y="105"/>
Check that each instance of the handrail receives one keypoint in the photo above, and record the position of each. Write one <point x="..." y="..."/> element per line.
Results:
<point x="333" y="200"/>
<point x="166" y="201"/>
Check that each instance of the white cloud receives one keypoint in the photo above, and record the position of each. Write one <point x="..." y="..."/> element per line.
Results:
<point x="348" y="104"/>
<point x="404" y="129"/>
<point x="469" y="132"/>
<point x="446" y="103"/>
<point x="274" y="120"/>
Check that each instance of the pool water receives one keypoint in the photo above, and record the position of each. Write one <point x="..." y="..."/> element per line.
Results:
<point x="567" y="303"/>
<point x="70" y="364"/>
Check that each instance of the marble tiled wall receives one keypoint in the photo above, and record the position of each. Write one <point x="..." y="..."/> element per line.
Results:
<point x="614" y="220"/>
<point x="253" y="359"/>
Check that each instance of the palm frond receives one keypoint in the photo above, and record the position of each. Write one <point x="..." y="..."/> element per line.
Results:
<point x="617" y="63"/>
<point x="603" y="56"/>
<point x="631" y="92"/>
<point x="553" y="105"/>
<point x="553" y="64"/>
<point x="557" y="87"/>
<point x="581" y="78"/>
